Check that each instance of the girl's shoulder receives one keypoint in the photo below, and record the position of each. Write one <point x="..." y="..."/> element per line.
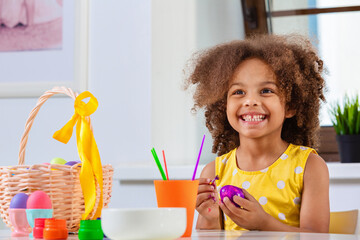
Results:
<point x="316" y="165"/>
<point x="225" y="157"/>
<point x="299" y="150"/>
<point x="313" y="163"/>
<point x="298" y="154"/>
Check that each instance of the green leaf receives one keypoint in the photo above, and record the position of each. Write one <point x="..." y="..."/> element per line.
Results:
<point x="345" y="117"/>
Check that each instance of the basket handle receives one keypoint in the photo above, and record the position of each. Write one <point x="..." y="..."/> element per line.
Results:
<point x="33" y="113"/>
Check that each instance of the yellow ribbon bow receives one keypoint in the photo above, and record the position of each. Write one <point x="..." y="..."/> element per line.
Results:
<point x="89" y="154"/>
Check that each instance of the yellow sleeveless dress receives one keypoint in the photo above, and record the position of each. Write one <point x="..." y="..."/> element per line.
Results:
<point x="278" y="188"/>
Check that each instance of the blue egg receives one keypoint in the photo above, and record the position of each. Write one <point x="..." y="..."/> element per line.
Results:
<point x="19" y="201"/>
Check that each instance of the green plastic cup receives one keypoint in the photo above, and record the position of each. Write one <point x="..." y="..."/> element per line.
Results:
<point x="90" y="230"/>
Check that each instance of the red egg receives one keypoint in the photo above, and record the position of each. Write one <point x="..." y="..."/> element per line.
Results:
<point x="39" y="200"/>
<point x="230" y="191"/>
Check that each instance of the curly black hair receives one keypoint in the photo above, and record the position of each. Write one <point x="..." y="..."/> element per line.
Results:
<point x="298" y="70"/>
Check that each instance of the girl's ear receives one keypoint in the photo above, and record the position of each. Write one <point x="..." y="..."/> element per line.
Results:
<point x="290" y="112"/>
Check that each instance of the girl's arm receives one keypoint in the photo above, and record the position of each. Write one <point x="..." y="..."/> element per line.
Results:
<point x="207" y="200"/>
<point x="315" y="206"/>
<point x="314" y="212"/>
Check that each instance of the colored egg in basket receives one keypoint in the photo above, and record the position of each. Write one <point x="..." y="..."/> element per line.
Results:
<point x="71" y="163"/>
<point x="58" y="160"/>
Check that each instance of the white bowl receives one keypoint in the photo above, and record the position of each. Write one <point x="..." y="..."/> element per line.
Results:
<point x="144" y="223"/>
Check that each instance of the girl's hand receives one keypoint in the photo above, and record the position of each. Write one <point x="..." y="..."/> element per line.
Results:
<point x="207" y="200"/>
<point x="250" y="215"/>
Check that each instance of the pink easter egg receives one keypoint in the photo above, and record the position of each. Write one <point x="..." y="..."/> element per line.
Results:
<point x="39" y="200"/>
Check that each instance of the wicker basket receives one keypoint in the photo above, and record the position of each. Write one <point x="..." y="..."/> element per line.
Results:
<point x="62" y="185"/>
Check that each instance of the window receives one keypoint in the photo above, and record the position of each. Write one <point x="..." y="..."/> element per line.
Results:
<point x="332" y="27"/>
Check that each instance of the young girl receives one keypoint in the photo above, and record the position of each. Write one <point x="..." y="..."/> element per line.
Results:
<point x="261" y="98"/>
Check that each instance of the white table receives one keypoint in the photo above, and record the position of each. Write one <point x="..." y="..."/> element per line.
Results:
<point x="238" y="235"/>
<point x="256" y="235"/>
<point x="6" y="234"/>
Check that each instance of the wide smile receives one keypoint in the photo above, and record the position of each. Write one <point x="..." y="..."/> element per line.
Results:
<point x="253" y="118"/>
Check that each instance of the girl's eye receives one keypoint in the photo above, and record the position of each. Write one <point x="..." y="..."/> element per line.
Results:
<point x="267" y="91"/>
<point x="238" y="92"/>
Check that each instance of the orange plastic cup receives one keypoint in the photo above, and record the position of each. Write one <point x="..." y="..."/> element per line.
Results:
<point x="55" y="229"/>
<point x="178" y="193"/>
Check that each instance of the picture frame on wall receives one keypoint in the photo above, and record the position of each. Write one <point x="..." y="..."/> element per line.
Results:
<point x="43" y="44"/>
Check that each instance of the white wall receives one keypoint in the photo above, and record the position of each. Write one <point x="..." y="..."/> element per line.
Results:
<point x="120" y="72"/>
<point x="119" y="76"/>
<point x="179" y="29"/>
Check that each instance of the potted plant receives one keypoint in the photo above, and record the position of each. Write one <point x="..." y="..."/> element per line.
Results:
<point x="346" y="122"/>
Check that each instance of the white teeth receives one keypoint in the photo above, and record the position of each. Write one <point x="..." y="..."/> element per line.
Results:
<point x="253" y="118"/>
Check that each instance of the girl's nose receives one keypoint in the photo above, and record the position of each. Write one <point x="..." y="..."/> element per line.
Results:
<point x="251" y="101"/>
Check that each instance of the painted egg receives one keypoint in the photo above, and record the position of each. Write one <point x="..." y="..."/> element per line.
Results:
<point x="19" y="200"/>
<point x="57" y="160"/>
<point x="230" y="191"/>
<point x="39" y="200"/>
<point x="71" y="163"/>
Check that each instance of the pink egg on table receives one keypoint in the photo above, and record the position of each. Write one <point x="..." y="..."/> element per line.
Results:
<point x="39" y="200"/>
<point x="230" y="191"/>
